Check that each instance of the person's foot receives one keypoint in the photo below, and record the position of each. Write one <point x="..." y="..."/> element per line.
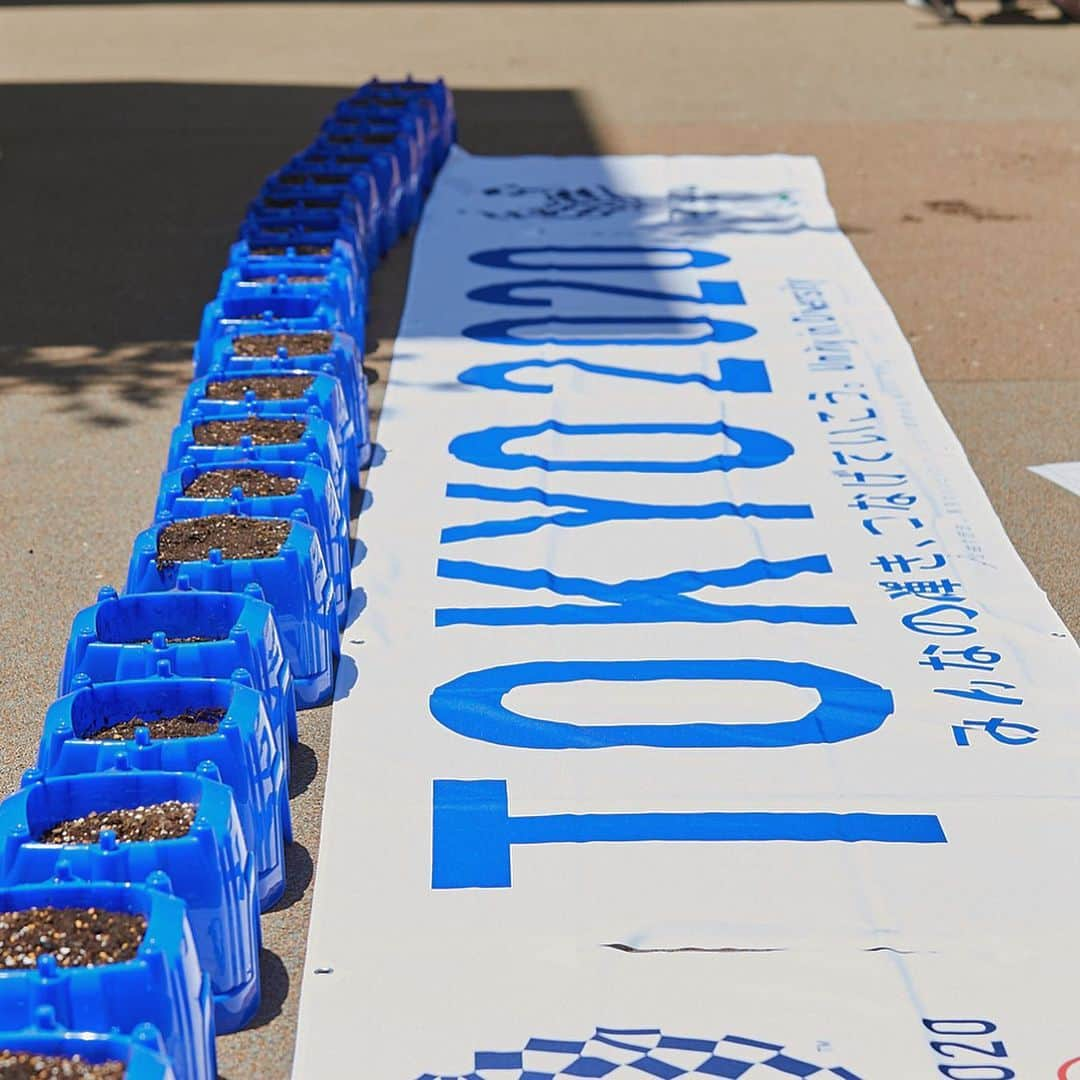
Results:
<point x="1070" y="9"/>
<point x="1010" y="14"/>
<point x="947" y="13"/>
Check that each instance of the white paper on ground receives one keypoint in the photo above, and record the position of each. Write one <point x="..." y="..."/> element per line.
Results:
<point x="1065" y="473"/>
<point x="697" y="718"/>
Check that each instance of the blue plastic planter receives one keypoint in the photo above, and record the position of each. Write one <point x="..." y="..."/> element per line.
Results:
<point x="126" y="637"/>
<point x="381" y="164"/>
<point x="291" y="186"/>
<point x="270" y="219"/>
<point x="305" y="227"/>
<point x="228" y="366"/>
<point x="250" y="756"/>
<point x="364" y="145"/>
<point x="317" y="439"/>
<point x="337" y="286"/>
<point x="376" y="132"/>
<point x="295" y="582"/>
<point x="320" y="168"/>
<point x="215" y="330"/>
<point x="351" y="119"/>
<point x="304" y="239"/>
<point x="210" y="868"/>
<point x="372" y="231"/>
<point x="343" y="359"/>
<point x="344" y="355"/>
<point x="308" y="243"/>
<point x="276" y="308"/>
<point x="378" y="100"/>
<point x="285" y="199"/>
<point x="325" y="393"/>
<point x="417" y="115"/>
<point x="365" y="131"/>
<point x="314" y="496"/>
<point x="442" y="98"/>
<point x="163" y="985"/>
<point x="281" y="213"/>
<point x="347" y="124"/>
<point x="278" y="254"/>
<point x="142" y="1053"/>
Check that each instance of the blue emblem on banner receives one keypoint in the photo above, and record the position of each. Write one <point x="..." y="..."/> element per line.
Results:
<point x="643" y="1053"/>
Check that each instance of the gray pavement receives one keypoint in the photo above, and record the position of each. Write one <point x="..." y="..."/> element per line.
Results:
<point x="131" y="137"/>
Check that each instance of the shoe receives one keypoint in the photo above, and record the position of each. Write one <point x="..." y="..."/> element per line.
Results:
<point x="947" y="13"/>
<point x="1070" y="9"/>
<point x="1010" y="14"/>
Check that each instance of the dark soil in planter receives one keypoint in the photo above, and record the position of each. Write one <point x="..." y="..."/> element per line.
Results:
<point x="190" y="724"/>
<point x="253" y="317"/>
<point x="307" y="204"/>
<point x="266" y="387"/>
<point x="301" y="249"/>
<point x="235" y="536"/>
<point x="193" y="640"/>
<point x="314" y="343"/>
<point x="254" y="483"/>
<point x="294" y="229"/>
<point x="158" y="821"/>
<point x="389" y="102"/>
<point x="261" y="432"/>
<point x="292" y="279"/>
<point x="77" y="937"/>
<point x="22" y="1065"/>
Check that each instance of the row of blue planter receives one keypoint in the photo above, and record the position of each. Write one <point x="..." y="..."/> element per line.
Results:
<point x="254" y="637"/>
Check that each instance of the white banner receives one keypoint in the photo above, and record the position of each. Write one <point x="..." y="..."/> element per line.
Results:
<point x="700" y="719"/>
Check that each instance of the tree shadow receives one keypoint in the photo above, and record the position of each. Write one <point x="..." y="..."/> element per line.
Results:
<point x="99" y="384"/>
<point x="129" y="196"/>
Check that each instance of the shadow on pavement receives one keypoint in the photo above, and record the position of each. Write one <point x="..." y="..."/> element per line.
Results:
<point x="124" y="198"/>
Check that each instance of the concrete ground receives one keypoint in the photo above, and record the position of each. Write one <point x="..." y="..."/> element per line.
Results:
<point x="131" y="137"/>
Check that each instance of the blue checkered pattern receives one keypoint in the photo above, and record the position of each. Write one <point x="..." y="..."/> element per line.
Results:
<point x="645" y="1054"/>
